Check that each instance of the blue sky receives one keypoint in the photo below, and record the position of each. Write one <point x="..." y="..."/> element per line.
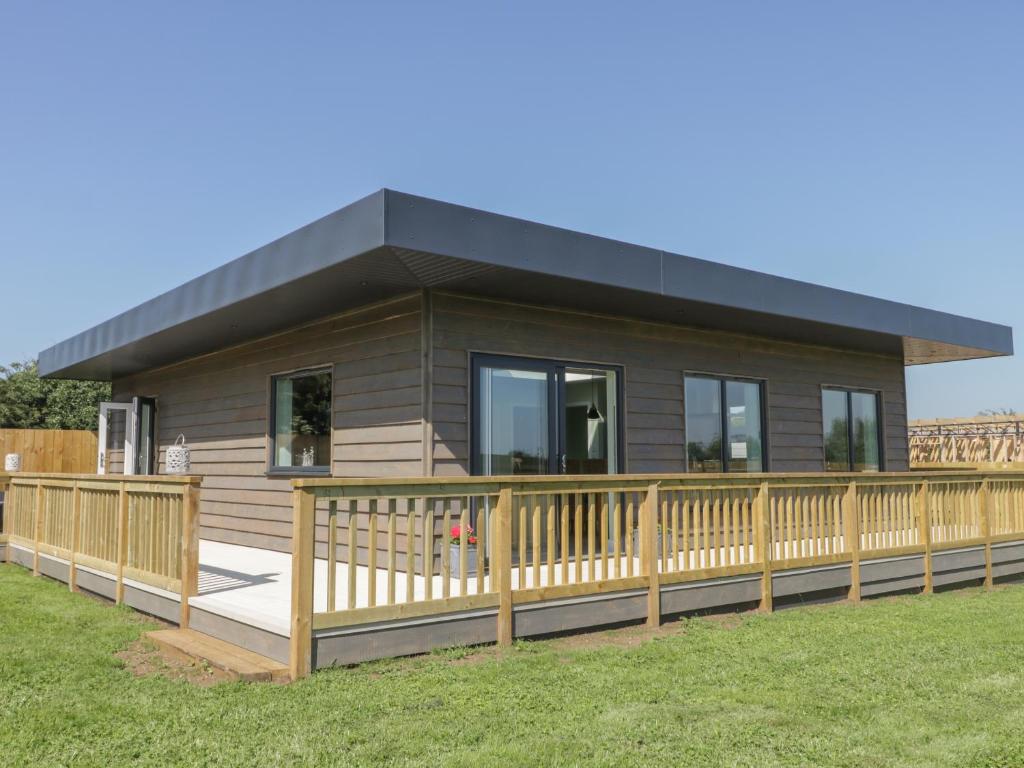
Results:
<point x="871" y="146"/>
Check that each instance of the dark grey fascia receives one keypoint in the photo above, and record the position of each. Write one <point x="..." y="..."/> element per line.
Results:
<point x="391" y="243"/>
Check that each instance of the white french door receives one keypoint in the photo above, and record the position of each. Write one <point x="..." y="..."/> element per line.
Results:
<point x="127" y="439"/>
<point x="116" y="455"/>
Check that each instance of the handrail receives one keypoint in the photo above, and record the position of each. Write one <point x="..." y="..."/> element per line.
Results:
<point x="398" y="548"/>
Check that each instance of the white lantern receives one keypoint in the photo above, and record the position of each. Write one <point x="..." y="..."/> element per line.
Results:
<point x="179" y="457"/>
<point x="12" y="462"/>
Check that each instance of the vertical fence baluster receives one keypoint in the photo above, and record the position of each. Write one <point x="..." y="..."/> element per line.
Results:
<point x="353" y="552"/>
<point x="332" y="554"/>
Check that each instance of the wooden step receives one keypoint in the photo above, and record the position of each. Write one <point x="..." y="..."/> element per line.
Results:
<point x="233" y="659"/>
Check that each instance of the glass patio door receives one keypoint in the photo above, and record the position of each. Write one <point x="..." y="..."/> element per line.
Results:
<point x="539" y="417"/>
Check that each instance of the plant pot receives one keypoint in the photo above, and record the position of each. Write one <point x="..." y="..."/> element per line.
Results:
<point x="637" y="544"/>
<point x="456" y="564"/>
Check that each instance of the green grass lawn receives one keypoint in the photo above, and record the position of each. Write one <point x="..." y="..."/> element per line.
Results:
<point x="929" y="681"/>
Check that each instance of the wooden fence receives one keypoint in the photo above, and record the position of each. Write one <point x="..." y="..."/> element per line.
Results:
<point x="51" y="450"/>
<point x="980" y="440"/>
<point x="144" y="529"/>
<point x="536" y="539"/>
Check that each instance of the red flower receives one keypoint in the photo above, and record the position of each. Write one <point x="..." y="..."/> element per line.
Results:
<point x="456" y="534"/>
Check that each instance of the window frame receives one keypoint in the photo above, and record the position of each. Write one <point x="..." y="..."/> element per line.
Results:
<point x="279" y="471"/>
<point x="722" y="379"/>
<point x="556" y="399"/>
<point x="879" y="418"/>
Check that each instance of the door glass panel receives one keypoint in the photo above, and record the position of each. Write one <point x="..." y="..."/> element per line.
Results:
<point x="591" y="418"/>
<point x="513" y="419"/>
<point x="866" y="454"/>
<point x="117" y="426"/>
<point x="704" y="424"/>
<point x="835" y="425"/>
<point x="144" y="449"/>
<point x="744" y="447"/>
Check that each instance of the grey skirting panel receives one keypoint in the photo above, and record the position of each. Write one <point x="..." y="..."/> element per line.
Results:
<point x="956" y="566"/>
<point x="705" y="595"/>
<point x="403" y="638"/>
<point x="567" y="615"/>
<point x="258" y="640"/>
<point x="104" y="586"/>
<point x="21" y="556"/>
<point x="1007" y="560"/>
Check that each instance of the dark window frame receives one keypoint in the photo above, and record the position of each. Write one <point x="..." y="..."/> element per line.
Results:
<point x="722" y="379"/>
<point x="556" y="394"/>
<point x="320" y="470"/>
<point x="879" y="416"/>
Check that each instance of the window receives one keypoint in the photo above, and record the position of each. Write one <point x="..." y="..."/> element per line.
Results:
<point x="301" y="422"/>
<point x="536" y="417"/>
<point x="851" y="428"/>
<point x="729" y="438"/>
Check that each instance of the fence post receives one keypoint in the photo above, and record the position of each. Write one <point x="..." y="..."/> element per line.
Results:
<point x="122" y="540"/>
<point x="649" y="554"/>
<point x="37" y="529"/>
<point x="925" y="533"/>
<point x="189" y="550"/>
<point x="763" y="534"/>
<point x="76" y="535"/>
<point x="502" y="543"/>
<point x="985" y="508"/>
<point x="853" y="536"/>
<point x="303" y="535"/>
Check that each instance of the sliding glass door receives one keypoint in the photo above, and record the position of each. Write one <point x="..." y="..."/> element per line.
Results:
<point x="543" y="417"/>
<point x="513" y="422"/>
<point x="540" y="417"/>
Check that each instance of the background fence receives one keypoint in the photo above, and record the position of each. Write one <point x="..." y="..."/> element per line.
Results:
<point x="51" y="450"/>
<point x="978" y="440"/>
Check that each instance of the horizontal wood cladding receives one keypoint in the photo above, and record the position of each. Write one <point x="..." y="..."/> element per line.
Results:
<point x="220" y="402"/>
<point x="655" y="358"/>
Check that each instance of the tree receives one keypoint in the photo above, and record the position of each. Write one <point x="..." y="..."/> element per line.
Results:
<point x="1008" y="412"/>
<point x="29" y="402"/>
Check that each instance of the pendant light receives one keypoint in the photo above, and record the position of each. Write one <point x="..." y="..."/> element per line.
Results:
<point x="592" y="413"/>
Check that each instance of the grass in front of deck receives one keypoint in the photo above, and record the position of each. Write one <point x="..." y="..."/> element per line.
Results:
<point x="910" y="681"/>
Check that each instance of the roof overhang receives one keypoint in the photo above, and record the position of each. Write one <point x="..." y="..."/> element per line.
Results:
<point x="391" y="243"/>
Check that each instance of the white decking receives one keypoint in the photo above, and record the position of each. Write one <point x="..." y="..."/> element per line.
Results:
<point x="254" y="585"/>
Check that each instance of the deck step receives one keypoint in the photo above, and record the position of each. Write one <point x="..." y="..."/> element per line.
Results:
<point x="236" y="661"/>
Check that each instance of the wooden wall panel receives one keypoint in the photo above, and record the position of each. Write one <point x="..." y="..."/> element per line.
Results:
<point x="220" y="402"/>
<point x="655" y="357"/>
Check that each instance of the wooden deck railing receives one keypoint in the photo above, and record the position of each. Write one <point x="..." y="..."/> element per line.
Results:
<point x="551" y="537"/>
<point x="143" y="529"/>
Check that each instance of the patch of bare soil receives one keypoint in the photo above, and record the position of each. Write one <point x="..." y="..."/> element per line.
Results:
<point x="143" y="659"/>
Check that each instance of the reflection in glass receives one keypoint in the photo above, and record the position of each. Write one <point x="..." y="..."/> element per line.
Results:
<point x="704" y="424"/>
<point x="302" y="420"/>
<point x="743" y="399"/>
<point x="513" y="422"/>
<point x="591" y="418"/>
<point x="866" y="455"/>
<point x="836" y="429"/>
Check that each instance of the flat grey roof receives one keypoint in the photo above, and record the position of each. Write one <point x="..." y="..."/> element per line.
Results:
<point x="391" y="243"/>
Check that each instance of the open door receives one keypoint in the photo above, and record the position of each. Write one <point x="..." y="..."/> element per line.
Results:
<point x="126" y="438"/>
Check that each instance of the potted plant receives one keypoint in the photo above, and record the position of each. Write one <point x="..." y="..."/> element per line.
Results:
<point x="637" y="543"/>
<point x="454" y="538"/>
